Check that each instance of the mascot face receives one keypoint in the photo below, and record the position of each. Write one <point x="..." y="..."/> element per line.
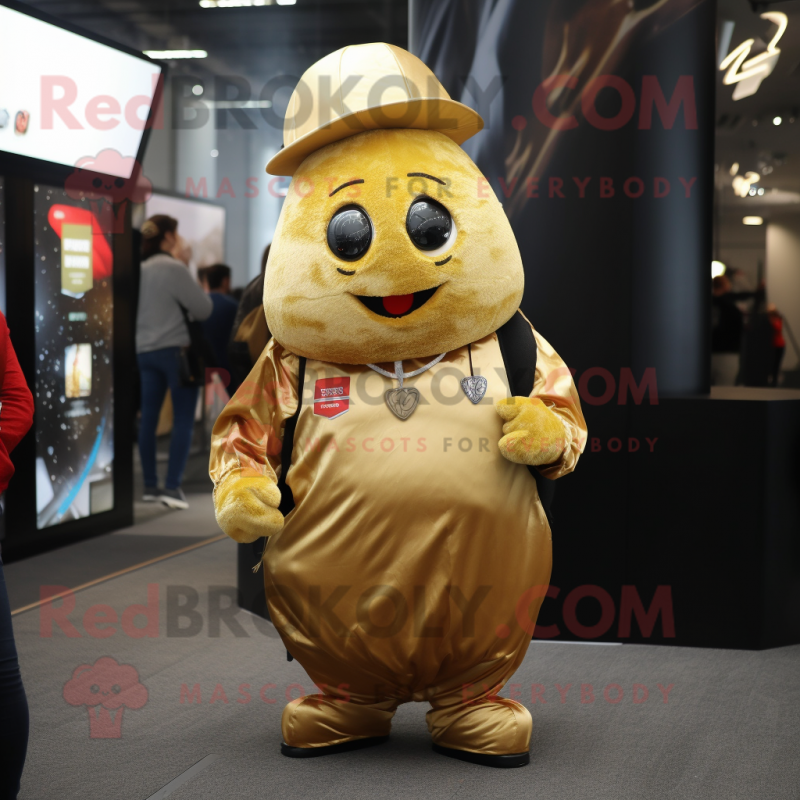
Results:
<point x="414" y="258"/>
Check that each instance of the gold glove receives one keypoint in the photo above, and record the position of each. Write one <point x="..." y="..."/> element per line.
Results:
<point x="247" y="507"/>
<point x="534" y="435"/>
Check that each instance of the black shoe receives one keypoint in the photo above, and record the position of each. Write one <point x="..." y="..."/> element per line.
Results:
<point x="485" y="760"/>
<point x="151" y="494"/>
<point x="331" y="749"/>
<point x="174" y="498"/>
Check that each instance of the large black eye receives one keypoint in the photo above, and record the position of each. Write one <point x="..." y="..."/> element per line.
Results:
<point x="429" y="224"/>
<point x="349" y="233"/>
<point x="119" y="183"/>
<point x="97" y="182"/>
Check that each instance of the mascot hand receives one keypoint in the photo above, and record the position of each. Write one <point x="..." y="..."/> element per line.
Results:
<point x="534" y="435"/>
<point x="247" y="508"/>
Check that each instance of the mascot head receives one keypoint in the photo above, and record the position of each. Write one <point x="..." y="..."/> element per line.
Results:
<point x="391" y="245"/>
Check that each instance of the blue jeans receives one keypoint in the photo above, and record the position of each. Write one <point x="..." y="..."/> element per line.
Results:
<point x="13" y="704"/>
<point x="158" y="372"/>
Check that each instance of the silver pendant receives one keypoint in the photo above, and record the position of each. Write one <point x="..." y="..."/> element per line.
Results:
<point x="402" y="402"/>
<point x="474" y="387"/>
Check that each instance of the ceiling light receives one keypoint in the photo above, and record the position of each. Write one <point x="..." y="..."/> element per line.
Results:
<point x="197" y="89"/>
<point x="234" y="3"/>
<point x="752" y="192"/>
<point x="240" y="103"/>
<point x="741" y="185"/>
<point x="286" y="2"/>
<point x="747" y="75"/>
<point x="214" y="153"/>
<point x="734" y="168"/>
<point x="777" y="120"/>
<point x="761" y="191"/>
<point x="169" y="54"/>
<point x="717" y="269"/>
<point x="753" y="220"/>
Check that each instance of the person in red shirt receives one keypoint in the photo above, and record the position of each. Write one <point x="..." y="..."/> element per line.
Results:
<point x="16" y="418"/>
<point x="778" y="342"/>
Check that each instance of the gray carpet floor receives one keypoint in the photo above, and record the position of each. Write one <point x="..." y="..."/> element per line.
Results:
<point x="729" y="729"/>
<point x="158" y="531"/>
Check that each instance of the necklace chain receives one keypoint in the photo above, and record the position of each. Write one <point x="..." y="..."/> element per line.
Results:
<point x="398" y="373"/>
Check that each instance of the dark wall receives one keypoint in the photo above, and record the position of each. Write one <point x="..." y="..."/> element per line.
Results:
<point x="613" y="281"/>
<point x="619" y="284"/>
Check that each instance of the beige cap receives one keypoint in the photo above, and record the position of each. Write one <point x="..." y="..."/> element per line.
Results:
<point x="366" y="87"/>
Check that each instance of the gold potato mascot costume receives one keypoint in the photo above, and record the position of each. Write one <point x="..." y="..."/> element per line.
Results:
<point x="374" y="443"/>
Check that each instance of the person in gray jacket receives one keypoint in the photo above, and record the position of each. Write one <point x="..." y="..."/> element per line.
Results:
<point x="164" y="286"/>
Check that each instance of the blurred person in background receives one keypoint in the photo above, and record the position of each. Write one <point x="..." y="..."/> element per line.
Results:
<point x="216" y="281"/>
<point x="727" y="327"/>
<point x="727" y="324"/>
<point x="167" y="292"/>
<point x="742" y="284"/>
<point x="250" y="333"/>
<point x="16" y="418"/>
<point x="778" y="342"/>
<point x="237" y="293"/>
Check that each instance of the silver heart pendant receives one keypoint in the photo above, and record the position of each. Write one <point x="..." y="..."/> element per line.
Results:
<point x="402" y="402"/>
<point x="474" y="387"/>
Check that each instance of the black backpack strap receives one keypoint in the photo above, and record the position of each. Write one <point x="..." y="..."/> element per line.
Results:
<point x="287" y="499"/>
<point x="519" y="351"/>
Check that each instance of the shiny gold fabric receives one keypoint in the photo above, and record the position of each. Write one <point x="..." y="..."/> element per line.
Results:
<point x="416" y="558"/>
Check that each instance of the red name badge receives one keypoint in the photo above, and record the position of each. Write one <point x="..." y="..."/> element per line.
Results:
<point x="331" y="397"/>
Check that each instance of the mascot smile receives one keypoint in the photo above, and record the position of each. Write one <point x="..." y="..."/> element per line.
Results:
<point x="397" y="440"/>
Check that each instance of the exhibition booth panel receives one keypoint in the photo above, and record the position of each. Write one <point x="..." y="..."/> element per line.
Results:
<point x="680" y="525"/>
<point x="70" y="160"/>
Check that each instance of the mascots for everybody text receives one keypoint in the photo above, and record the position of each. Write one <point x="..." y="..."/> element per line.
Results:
<point x="375" y="443"/>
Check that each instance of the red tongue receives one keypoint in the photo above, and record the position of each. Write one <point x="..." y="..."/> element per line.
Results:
<point x="398" y="303"/>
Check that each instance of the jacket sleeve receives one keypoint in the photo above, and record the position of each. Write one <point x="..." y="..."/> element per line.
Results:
<point x="16" y="416"/>
<point x="247" y="437"/>
<point x="190" y="295"/>
<point x="554" y="386"/>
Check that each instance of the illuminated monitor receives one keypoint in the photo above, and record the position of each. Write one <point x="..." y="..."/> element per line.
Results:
<point x="74" y="366"/>
<point x="66" y="98"/>
<point x="2" y="247"/>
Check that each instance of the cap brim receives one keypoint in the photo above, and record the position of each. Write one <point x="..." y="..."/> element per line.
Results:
<point x="453" y="119"/>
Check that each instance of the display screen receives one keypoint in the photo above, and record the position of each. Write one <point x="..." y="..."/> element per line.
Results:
<point x="2" y="247"/>
<point x="3" y="309"/>
<point x="201" y="225"/>
<point x="74" y="381"/>
<point x="64" y="97"/>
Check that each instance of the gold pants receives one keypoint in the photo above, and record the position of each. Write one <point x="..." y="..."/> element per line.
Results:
<point x="364" y="678"/>
<point x="493" y="725"/>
